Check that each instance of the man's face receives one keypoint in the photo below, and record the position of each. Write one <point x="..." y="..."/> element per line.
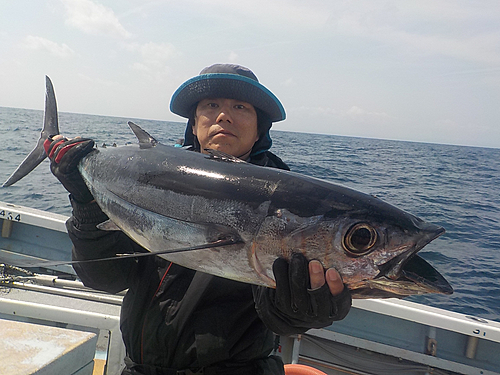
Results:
<point x="226" y="125"/>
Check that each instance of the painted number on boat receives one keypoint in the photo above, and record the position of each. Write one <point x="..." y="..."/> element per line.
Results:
<point x="14" y="216"/>
<point x="479" y="332"/>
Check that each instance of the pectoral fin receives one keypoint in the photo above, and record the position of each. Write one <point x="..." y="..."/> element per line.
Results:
<point x="108" y="225"/>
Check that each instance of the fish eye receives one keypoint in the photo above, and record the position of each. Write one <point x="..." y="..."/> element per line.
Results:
<point x="359" y="239"/>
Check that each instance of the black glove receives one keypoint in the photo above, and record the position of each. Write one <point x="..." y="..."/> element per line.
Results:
<point x="294" y="308"/>
<point x="64" y="157"/>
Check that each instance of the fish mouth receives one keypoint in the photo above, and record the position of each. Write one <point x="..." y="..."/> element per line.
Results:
<point x="393" y="268"/>
<point x="416" y="277"/>
<point x="407" y="274"/>
<point x="418" y="271"/>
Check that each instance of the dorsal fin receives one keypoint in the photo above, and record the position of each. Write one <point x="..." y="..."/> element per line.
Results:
<point x="145" y="139"/>
<point x="222" y="156"/>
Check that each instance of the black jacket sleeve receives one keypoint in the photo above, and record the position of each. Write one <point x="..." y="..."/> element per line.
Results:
<point x="89" y="242"/>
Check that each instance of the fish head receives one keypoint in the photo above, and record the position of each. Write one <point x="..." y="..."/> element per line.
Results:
<point x="373" y="246"/>
<point x="376" y="255"/>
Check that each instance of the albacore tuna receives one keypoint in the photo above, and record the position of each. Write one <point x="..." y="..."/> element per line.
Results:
<point x="166" y="199"/>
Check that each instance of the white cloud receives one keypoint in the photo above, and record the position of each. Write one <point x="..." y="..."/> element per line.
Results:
<point x="477" y="48"/>
<point x="361" y="114"/>
<point x="155" y="57"/>
<point x="38" y="43"/>
<point x="93" y="18"/>
<point x="97" y="81"/>
<point x="157" y="52"/>
<point x="289" y="82"/>
<point x="355" y="113"/>
<point x="273" y="13"/>
<point x="233" y="57"/>
<point x="314" y="111"/>
<point x="428" y="27"/>
<point x="154" y="71"/>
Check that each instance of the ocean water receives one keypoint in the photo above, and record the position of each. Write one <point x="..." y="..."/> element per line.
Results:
<point x="454" y="186"/>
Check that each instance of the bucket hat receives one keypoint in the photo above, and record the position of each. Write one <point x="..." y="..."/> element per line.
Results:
<point x="226" y="81"/>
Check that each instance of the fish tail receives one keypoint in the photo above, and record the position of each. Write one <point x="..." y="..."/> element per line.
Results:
<point x="50" y="128"/>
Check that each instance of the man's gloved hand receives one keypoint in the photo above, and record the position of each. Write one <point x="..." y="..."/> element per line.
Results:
<point x="293" y="307"/>
<point x="64" y="155"/>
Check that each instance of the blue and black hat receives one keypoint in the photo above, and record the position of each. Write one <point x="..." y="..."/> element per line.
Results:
<point x="226" y="81"/>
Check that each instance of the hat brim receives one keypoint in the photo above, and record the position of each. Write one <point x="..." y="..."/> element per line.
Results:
<point x="230" y="86"/>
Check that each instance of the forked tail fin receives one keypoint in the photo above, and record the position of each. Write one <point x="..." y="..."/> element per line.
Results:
<point x="50" y="128"/>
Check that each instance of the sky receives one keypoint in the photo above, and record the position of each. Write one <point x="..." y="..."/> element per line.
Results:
<point x="425" y="70"/>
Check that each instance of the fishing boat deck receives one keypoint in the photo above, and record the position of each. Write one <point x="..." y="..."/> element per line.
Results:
<point x="27" y="348"/>
<point x="71" y="308"/>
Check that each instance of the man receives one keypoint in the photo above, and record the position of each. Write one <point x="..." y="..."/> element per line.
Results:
<point x="178" y="321"/>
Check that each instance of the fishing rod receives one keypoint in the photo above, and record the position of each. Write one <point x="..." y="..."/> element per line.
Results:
<point x="25" y="263"/>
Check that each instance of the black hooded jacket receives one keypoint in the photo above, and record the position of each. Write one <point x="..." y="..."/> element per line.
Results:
<point x="174" y="317"/>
